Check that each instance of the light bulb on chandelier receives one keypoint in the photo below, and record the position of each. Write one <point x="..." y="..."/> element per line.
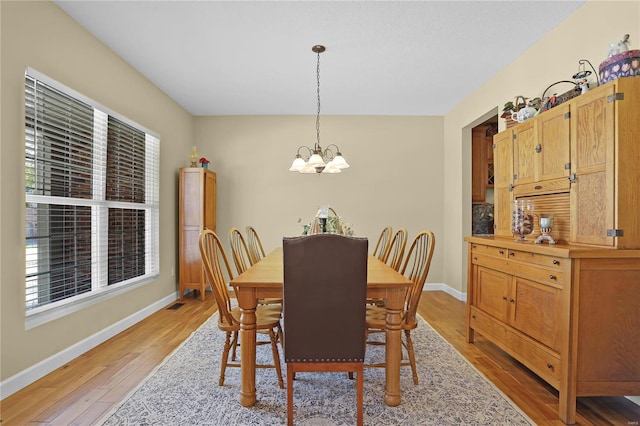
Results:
<point x="317" y="160"/>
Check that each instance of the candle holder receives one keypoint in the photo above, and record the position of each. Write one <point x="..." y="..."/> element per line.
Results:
<point x="546" y="223"/>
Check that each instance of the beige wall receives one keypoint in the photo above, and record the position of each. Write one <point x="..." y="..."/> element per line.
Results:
<point x="584" y="35"/>
<point x="42" y="36"/>
<point x="395" y="176"/>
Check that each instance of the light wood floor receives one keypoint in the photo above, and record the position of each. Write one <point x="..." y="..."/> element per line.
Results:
<point x="81" y="391"/>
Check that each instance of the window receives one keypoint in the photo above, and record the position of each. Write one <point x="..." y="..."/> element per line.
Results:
<point x="91" y="199"/>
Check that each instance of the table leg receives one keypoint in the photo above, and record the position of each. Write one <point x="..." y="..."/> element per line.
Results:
<point x="393" y="352"/>
<point x="247" y="302"/>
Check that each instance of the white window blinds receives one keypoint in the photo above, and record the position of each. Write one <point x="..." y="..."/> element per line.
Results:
<point x="91" y="197"/>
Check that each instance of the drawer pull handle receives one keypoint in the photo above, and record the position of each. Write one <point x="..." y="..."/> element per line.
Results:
<point x="501" y="252"/>
<point x="512" y="254"/>
<point x="552" y="277"/>
<point x="549" y="366"/>
<point x="475" y="258"/>
<point x="556" y="262"/>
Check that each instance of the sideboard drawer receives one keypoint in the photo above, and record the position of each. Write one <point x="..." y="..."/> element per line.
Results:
<point x="537" y="259"/>
<point x="489" y="250"/>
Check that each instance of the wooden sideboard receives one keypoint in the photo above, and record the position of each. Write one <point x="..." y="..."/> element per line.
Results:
<point x="569" y="311"/>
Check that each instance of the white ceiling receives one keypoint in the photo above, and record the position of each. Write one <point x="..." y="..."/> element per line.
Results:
<point x="382" y="57"/>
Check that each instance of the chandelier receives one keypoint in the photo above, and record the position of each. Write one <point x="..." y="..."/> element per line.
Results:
<point x="317" y="160"/>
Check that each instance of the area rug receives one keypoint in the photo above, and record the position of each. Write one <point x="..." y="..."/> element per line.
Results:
<point x="184" y="390"/>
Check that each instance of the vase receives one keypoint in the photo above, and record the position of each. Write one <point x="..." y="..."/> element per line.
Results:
<point x="522" y="219"/>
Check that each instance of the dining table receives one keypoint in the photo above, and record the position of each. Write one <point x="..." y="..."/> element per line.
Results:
<point x="265" y="279"/>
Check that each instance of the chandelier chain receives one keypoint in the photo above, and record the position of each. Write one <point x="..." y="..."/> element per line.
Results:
<point x="318" y="91"/>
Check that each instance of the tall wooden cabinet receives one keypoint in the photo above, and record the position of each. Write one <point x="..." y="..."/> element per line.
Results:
<point x="568" y="311"/>
<point x="197" y="212"/>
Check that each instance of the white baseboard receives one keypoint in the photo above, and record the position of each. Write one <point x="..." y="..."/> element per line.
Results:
<point x="44" y="367"/>
<point x="443" y="287"/>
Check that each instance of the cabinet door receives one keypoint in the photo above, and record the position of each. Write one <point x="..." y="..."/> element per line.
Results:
<point x="478" y="164"/>
<point x="209" y="201"/>
<point x="535" y="310"/>
<point x="503" y="180"/>
<point x="492" y="292"/>
<point x="592" y="163"/>
<point x="553" y="144"/>
<point x="524" y="153"/>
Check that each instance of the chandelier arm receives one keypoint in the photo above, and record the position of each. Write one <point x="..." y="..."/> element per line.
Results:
<point x="310" y="151"/>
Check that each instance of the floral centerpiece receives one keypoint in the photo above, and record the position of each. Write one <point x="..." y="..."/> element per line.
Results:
<point x="327" y="221"/>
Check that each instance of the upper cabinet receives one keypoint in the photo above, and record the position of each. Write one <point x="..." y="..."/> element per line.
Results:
<point x="605" y="172"/>
<point x="587" y="152"/>
<point x="541" y="146"/>
<point x="503" y="183"/>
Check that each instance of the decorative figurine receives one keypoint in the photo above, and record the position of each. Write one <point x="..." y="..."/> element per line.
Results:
<point x="546" y="223"/>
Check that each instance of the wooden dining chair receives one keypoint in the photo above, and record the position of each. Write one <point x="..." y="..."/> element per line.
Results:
<point x="415" y="268"/>
<point x="242" y="260"/>
<point x="324" y="308"/>
<point x="395" y="254"/>
<point x="218" y="274"/>
<point x="256" y="251"/>
<point x="382" y="246"/>
<point x="239" y="250"/>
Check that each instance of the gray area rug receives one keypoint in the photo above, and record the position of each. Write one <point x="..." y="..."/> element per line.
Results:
<point x="184" y="391"/>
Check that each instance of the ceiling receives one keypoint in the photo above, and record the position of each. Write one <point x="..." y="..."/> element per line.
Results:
<point x="382" y="57"/>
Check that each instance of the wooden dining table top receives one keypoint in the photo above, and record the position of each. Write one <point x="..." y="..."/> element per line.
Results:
<point x="268" y="272"/>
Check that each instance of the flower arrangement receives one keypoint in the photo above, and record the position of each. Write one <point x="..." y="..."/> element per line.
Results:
<point x="334" y="225"/>
<point x="204" y="162"/>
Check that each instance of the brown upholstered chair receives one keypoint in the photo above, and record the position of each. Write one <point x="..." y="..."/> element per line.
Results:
<point x="325" y="288"/>
<point x="256" y="251"/>
<point x="395" y="254"/>
<point x="382" y="246"/>
<point x="218" y="274"/>
<point x="416" y="268"/>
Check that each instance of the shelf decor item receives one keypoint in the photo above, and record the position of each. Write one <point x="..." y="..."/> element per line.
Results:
<point x="204" y="162"/>
<point x="193" y="157"/>
<point x="522" y="219"/>
<point x="623" y="64"/>
<point x="546" y="223"/>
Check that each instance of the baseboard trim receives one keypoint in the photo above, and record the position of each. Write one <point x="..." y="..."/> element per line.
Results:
<point x="449" y="290"/>
<point x="46" y="366"/>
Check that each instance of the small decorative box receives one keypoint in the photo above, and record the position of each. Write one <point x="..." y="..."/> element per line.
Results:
<point x="623" y="64"/>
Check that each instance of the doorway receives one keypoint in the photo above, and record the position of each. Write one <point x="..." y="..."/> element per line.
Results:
<point x="482" y="176"/>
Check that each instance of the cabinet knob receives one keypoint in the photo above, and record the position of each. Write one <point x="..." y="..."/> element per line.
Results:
<point x="504" y="297"/>
<point x="556" y="262"/>
<point x="501" y="252"/>
<point x="511" y="253"/>
<point x="538" y="148"/>
<point x="475" y="258"/>
<point x="550" y="366"/>
<point x="552" y="277"/>
<point x="512" y="300"/>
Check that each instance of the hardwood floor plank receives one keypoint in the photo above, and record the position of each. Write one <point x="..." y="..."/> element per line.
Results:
<point x="83" y="390"/>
